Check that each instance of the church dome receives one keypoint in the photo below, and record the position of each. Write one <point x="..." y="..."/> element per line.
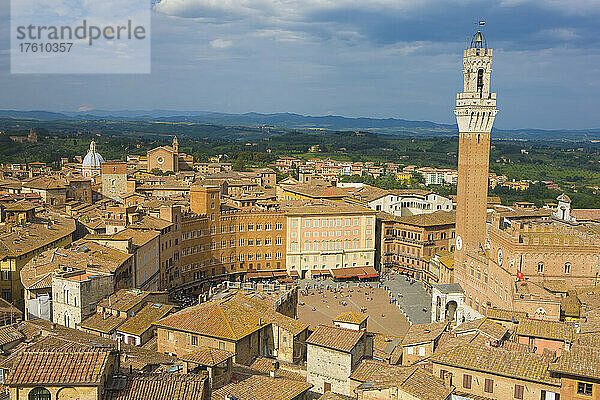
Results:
<point x="92" y="158"/>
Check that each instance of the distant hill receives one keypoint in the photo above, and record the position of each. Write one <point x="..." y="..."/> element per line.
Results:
<point x="388" y="126"/>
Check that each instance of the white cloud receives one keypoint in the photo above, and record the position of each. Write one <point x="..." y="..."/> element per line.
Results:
<point x="560" y="33"/>
<point x="85" y="108"/>
<point x="220" y="43"/>
<point x="290" y="10"/>
<point x="570" y="7"/>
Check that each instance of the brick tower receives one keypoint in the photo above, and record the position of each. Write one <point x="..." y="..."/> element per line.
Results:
<point x="475" y="113"/>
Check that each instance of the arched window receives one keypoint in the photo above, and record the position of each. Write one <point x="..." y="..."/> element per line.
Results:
<point x="567" y="268"/>
<point x="39" y="393"/>
<point x="540" y="267"/>
<point x="480" y="80"/>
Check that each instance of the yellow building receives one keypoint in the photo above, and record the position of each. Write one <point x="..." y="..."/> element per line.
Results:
<point x="37" y="232"/>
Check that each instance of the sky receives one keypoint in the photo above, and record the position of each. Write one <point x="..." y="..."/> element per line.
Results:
<point x="371" y="58"/>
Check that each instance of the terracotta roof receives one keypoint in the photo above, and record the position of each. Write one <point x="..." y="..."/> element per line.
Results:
<point x="505" y="315"/>
<point x="143" y="320"/>
<point x="436" y="218"/>
<point x="486" y="326"/>
<point x="516" y="346"/>
<point x="102" y="322"/>
<point x="124" y="299"/>
<point x="372" y="370"/>
<point x="207" y="356"/>
<point x="386" y="347"/>
<point x="589" y="214"/>
<point x="591" y="339"/>
<point x="414" y="380"/>
<point x="261" y="387"/>
<point x="351" y="317"/>
<point x="423" y="333"/>
<point x="231" y="318"/>
<point x="9" y="334"/>
<point x="286" y="370"/>
<point x="514" y="364"/>
<point x="332" y="337"/>
<point x="316" y="207"/>
<point x="59" y="367"/>
<point x="579" y="361"/>
<point x="134" y="356"/>
<point x="161" y="386"/>
<point x="554" y="330"/>
<point x="39" y="233"/>
<point x="334" y="396"/>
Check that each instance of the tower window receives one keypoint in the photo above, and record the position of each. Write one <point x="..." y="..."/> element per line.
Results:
<point x="567" y="268"/>
<point x="480" y="80"/>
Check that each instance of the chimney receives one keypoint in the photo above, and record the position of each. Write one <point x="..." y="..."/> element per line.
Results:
<point x="274" y="369"/>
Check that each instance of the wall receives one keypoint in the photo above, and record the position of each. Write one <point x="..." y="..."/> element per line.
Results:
<point x="503" y="388"/>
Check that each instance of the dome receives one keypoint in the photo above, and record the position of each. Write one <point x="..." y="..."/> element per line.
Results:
<point x="478" y="41"/>
<point x="92" y="159"/>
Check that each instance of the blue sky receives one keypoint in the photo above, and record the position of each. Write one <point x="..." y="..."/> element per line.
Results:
<point x="376" y="58"/>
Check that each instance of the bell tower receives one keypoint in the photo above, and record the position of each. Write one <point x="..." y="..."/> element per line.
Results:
<point x="475" y="113"/>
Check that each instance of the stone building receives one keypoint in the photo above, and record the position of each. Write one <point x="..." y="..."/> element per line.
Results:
<point x="38" y="231"/>
<point x="332" y="354"/>
<point x="421" y="341"/>
<point x="164" y="158"/>
<point x="243" y="324"/>
<point x="114" y="180"/>
<point x="496" y="373"/>
<point x="408" y="243"/>
<point x="75" y="294"/>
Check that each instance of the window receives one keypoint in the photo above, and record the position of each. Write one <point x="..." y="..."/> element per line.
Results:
<point x="540" y="267"/>
<point x="567" y="268"/>
<point x="409" y="350"/>
<point x="170" y="336"/>
<point x="422" y="351"/>
<point x="489" y="386"/>
<point x="39" y="393"/>
<point x="584" y="388"/>
<point x="194" y="340"/>
<point x="467" y="381"/>
<point x="519" y="389"/>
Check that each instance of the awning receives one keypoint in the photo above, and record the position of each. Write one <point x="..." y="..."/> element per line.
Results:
<point x="355" y="272"/>
<point x="316" y="272"/>
<point x="266" y="274"/>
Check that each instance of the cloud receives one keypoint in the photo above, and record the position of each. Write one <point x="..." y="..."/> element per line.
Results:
<point x="85" y="108"/>
<point x="560" y="33"/>
<point x="220" y="43"/>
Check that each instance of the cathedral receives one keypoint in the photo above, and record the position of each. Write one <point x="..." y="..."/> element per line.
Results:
<point x="92" y="162"/>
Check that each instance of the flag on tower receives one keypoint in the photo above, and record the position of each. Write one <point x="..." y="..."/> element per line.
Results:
<point x="520" y="275"/>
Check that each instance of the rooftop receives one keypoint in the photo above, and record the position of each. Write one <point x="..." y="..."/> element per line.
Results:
<point x="579" y="361"/>
<point x="231" y="318"/>
<point x="143" y="320"/>
<point x="351" y="317"/>
<point x="424" y="333"/>
<point x="207" y="356"/>
<point x="59" y="367"/>
<point x="514" y="364"/>
<point x="335" y="338"/>
<point x="47" y="227"/>
<point x="170" y="386"/>
<point x="261" y="387"/>
<point x="554" y="330"/>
